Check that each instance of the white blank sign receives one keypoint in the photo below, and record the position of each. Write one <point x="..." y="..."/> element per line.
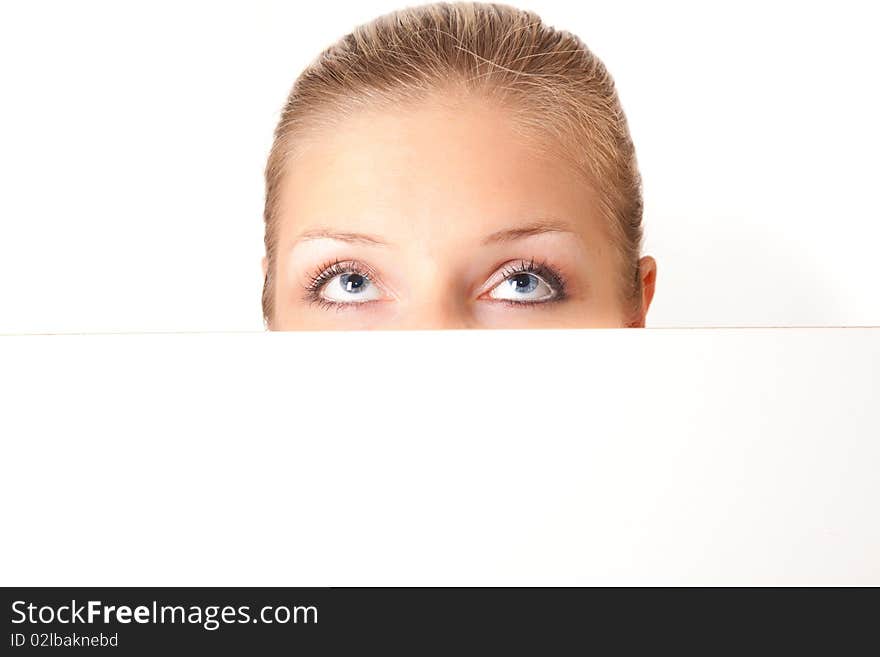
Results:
<point x="417" y="458"/>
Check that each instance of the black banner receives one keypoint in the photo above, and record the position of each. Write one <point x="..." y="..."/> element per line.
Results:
<point x="317" y="621"/>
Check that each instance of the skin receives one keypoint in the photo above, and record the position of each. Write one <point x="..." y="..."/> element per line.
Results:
<point x="439" y="201"/>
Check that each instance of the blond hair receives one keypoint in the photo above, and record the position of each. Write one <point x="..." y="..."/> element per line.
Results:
<point x="553" y="84"/>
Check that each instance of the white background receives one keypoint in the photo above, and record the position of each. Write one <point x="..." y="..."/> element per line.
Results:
<point x="133" y="138"/>
<point x="678" y="456"/>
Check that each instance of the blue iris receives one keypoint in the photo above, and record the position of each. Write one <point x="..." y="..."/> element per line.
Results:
<point x="523" y="283"/>
<point x="353" y="283"/>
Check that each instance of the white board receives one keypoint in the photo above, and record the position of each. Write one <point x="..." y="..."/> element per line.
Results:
<point x="418" y="458"/>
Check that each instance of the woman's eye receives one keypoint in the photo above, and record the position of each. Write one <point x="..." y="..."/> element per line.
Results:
<point x="525" y="287"/>
<point x="350" y="287"/>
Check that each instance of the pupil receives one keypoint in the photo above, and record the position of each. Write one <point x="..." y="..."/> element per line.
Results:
<point x="523" y="283"/>
<point x="353" y="282"/>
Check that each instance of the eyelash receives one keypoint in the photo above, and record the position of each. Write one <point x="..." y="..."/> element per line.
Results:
<point x="326" y="272"/>
<point x="541" y="269"/>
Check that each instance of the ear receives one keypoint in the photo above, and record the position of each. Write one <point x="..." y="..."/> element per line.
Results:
<point x="647" y="279"/>
<point x="648" y="276"/>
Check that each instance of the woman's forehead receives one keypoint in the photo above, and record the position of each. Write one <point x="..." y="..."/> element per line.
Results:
<point x="465" y="169"/>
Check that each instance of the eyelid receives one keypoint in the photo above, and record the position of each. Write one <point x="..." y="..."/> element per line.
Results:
<point x="541" y="269"/>
<point x="325" y="273"/>
<point x="492" y="282"/>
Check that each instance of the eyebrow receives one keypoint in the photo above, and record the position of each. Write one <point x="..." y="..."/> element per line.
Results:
<point x="351" y="238"/>
<point x="529" y="230"/>
<point x="506" y="235"/>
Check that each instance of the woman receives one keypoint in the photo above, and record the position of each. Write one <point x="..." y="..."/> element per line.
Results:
<point x="454" y="166"/>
